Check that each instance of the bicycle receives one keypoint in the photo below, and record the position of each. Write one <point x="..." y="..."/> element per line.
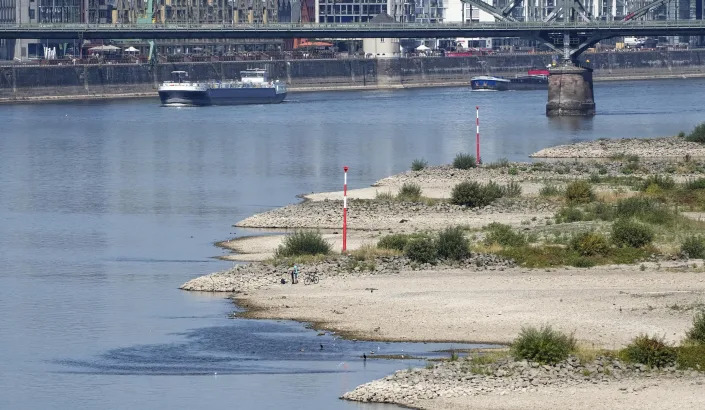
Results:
<point x="310" y="278"/>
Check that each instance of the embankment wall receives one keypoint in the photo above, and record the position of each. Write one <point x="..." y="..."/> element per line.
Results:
<point x="108" y="80"/>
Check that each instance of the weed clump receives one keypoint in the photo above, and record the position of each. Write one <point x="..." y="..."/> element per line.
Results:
<point x="464" y="161"/>
<point x="384" y="196"/>
<point x="697" y="333"/>
<point x="473" y="194"/>
<point x="409" y="192"/>
<point x="645" y="209"/>
<point x="651" y="351"/>
<point x="694" y="247"/>
<point x="550" y="190"/>
<point x="590" y="244"/>
<point x="503" y="235"/>
<point x="512" y="190"/>
<point x="655" y="183"/>
<point x="543" y="345"/>
<point x="626" y="232"/>
<point x="421" y="249"/>
<point x="579" y="192"/>
<point x="452" y="244"/>
<point x="697" y="135"/>
<point x="395" y="242"/>
<point x="418" y="164"/>
<point x="303" y="243"/>
<point x="569" y="214"/>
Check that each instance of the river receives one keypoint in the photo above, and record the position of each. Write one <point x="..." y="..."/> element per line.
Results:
<point x="107" y="207"/>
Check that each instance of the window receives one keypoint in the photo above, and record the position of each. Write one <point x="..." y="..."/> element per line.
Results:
<point x="31" y="14"/>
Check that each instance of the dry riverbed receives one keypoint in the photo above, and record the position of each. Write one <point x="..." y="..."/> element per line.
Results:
<point x="486" y="298"/>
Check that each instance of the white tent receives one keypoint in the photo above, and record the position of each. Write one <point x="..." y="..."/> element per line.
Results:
<point x="422" y="48"/>
<point x="131" y="50"/>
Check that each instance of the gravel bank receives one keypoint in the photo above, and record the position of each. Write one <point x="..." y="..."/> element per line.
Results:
<point x="506" y="384"/>
<point x="671" y="147"/>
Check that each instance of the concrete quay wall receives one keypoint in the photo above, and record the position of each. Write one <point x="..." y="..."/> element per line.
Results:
<point x="108" y="80"/>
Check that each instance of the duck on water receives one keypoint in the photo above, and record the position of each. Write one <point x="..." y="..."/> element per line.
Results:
<point x="253" y="88"/>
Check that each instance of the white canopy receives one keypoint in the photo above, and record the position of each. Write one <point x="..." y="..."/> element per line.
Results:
<point x="422" y="48"/>
<point x="131" y="49"/>
<point x="104" y="48"/>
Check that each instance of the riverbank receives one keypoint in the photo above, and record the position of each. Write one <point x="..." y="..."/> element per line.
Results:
<point x="19" y="83"/>
<point x="486" y="297"/>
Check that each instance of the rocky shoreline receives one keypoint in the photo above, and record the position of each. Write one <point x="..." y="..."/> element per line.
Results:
<point x="472" y="377"/>
<point x="653" y="148"/>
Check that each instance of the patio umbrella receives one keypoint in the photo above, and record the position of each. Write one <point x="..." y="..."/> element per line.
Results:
<point x="131" y="49"/>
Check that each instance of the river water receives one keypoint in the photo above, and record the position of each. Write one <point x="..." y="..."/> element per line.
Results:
<point x="107" y="207"/>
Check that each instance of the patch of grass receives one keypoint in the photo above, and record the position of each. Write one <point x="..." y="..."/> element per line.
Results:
<point x="384" y="196"/>
<point x="644" y="209"/>
<point x="651" y="351"/>
<point x="464" y="161"/>
<point x="371" y="252"/>
<point x="452" y="244"/>
<point x="513" y="171"/>
<point x="503" y="235"/>
<point x="579" y="192"/>
<point x="695" y="184"/>
<point x="658" y="182"/>
<point x="418" y="164"/>
<point x="409" y="192"/>
<point x="629" y="233"/>
<point x="303" y="243"/>
<point x="473" y="194"/>
<point x="549" y="190"/>
<point x="500" y="163"/>
<point x="546" y="256"/>
<point x="397" y="241"/>
<point x="696" y="334"/>
<point x="421" y="249"/>
<point x="590" y="244"/>
<point x="697" y="135"/>
<point x="512" y="190"/>
<point x="693" y="247"/>
<point x="543" y="345"/>
<point x="691" y="356"/>
<point x="632" y="164"/>
<point x="570" y="214"/>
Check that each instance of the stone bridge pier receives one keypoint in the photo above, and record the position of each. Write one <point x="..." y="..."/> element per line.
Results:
<point x="570" y="91"/>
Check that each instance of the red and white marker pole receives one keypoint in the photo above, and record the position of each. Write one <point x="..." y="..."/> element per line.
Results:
<point x="477" y="133"/>
<point x="345" y="209"/>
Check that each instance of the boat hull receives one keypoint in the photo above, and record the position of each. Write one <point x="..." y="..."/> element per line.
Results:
<point x="489" y="84"/>
<point x="231" y="96"/>
<point x="530" y="82"/>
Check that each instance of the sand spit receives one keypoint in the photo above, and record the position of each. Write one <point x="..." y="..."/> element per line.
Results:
<point x="671" y="147"/>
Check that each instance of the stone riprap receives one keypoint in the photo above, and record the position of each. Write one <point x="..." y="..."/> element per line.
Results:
<point x="465" y="378"/>
<point x="670" y="147"/>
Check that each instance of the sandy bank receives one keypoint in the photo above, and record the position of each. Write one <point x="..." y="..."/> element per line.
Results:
<point x="670" y="147"/>
<point x="606" y="306"/>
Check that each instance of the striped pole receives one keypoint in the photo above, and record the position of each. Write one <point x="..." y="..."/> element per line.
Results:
<point x="477" y="133"/>
<point x="345" y="208"/>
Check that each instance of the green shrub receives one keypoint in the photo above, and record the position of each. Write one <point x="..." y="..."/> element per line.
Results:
<point x="582" y="262"/>
<point x="543" y="345"/>
<point x="695" y="184"/>
<point x="626" y="232"/>
<point x="681" y="134"/>
<point x="645" y="209"/>
<point x="512" y="189"/>
<point x="594" y="178"/>
<point x="452" y="244"/>
<point x="513" y="171"/>
<point x="409" y="192"/>
<point x="698" y="134"/>
<point x="651" y="351"/>
<point x="632" y="164"/>
<point x="303" y="243"/>
<point x="397" y="242"/>
<point x="579" y="192"/>
<point x="662" y="182"/>
<point x="697" y="332"/>
<point x="569" y="214"/>
<point x="550" y="190"/>
<point x="601" y="211"/>
<point x="464" y="161"/>
<point x="503" y="235"/>
<point x="418" y="164"/>
<point x="590" y="244"/>
<point x="474" y="194"/>
<point x="694" y="247"/>
<point x="691" y="356"/>
<point x="421" y="249"/>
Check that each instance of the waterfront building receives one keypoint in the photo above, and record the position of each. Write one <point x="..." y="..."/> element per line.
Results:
<point x="381" y="47"/>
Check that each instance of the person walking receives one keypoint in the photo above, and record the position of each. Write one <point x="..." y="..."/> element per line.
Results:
<point x="295" y="274"/>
